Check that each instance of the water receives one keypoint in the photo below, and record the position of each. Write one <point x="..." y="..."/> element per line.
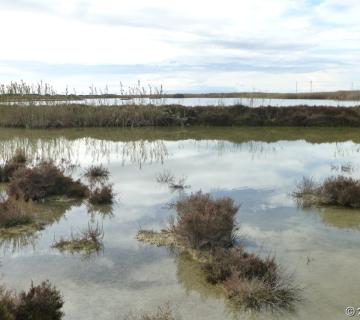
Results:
<point x="258" y="167"/>
<point x="190" y="102"/>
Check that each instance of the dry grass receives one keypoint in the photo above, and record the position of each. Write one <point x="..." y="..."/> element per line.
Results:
<point x="75" y="116"/>
<point x="205" y="222"/>
<point x="16" y="162"/>
<point x="42" y="302"/>
<point x="88" y="241"/>
<point x="15" y="213"/>
<point x="163" y="313"/>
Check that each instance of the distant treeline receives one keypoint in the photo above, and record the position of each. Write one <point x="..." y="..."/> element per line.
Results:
<point x="80" y="116"/>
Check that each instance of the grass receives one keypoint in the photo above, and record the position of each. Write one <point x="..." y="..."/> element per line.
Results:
<point x="81" y="116"/>
<point x="14" y="213"/>
<point x="18" y="161"/>
<point x="42" y="302"/>
<point x="42" y="181"/>
<point x="88" y="241"/>
<point x="339" y="191"/>
<point x="102" y="195"/>
<point x="97" y="173"/>
<point x="168" y="178"/>
<point x="163" y="313"/>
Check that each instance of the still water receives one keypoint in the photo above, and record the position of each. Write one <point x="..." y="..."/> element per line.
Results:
<point x="258" y="167"/>
<point x="191" y="102"/>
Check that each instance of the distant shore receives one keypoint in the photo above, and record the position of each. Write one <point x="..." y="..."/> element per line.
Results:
<point x="341" y="95"/>
<point x="81" y="116"/>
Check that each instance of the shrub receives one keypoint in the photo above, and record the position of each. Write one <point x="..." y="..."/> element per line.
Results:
<point x="97" y="172"/>
<point x="42" y="181"/>
<point x="224" y="262"/>
<point x="341" y="191"/>
<point x="204" y="221"/>
<point x="42" y="302"/>
<point x="16" y="162"/>
<point x="103" y="195"/>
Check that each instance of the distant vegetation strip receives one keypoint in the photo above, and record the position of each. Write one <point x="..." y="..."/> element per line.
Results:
<point x="81" y="116"/>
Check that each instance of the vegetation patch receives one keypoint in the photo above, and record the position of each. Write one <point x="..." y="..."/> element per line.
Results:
<point x="42" y="181"/>
<point x="205" y="227"/>
<point x="163" y="313"/>
<point x="15" y="213"/>
<point x="102" y="195"/>
<point x="339" y="191"/>
<point x="97" y="173"/>
<point x="88" y="241"/>
<point x="16" y="162"/>
<point x="42" y="302"/>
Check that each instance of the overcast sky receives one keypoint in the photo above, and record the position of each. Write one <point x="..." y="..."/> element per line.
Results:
<point x="186" y="45"/>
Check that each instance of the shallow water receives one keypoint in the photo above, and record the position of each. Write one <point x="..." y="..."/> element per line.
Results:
<point x="191" y="102"/>
<point x="258" y="167"/>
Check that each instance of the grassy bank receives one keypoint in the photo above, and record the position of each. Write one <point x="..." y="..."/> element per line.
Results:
<point x="77" y="116"/>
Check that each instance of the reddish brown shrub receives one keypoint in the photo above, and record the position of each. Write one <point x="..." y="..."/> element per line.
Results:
<point x="42" y="181"/>
<point x="204" y="221"/>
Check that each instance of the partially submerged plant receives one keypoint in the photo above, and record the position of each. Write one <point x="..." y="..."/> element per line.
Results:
<point x="163" y="313"/>
<point x="102" y="195"/>
<point x="17" y="162"/>
<point x="205" y="222"/>
<point x="42" y="181"/>
<point x="42" y="302"/>
<point x="339" y="191"/>
<point x="87" y="241"/>
<point x="97" y="173"/>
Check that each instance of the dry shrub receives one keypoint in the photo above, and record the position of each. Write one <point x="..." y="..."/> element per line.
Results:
<point x="42" y="181"/>
<point x="250" y="281"/>
<point x="224" y="262"/>
<point x="341" y="191"/>
<point x="206" y="222"/>
<point x="15" y="212"/>
<point x="257" y="294"/>
<point x="103" y="195"/>
<point x="42" y="302"/>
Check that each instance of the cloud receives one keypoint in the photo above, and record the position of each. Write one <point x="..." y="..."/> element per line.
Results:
<point x="304" y="38"/>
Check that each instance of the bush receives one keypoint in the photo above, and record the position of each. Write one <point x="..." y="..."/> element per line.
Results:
<point x="16" y="162"/>
<point x="42" y="302"/>
<point x="341" y="191"/>
<point x="205" y="222"/>
<point x="42" y="181"/>
<point x="103" y="195"/>
<point x="224" y="262"/>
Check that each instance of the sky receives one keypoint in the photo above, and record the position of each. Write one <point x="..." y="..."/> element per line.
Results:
<point x="184" y="45"/>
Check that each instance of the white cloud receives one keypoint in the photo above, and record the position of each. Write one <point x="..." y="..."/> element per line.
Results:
<point x="272" y="43"/>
